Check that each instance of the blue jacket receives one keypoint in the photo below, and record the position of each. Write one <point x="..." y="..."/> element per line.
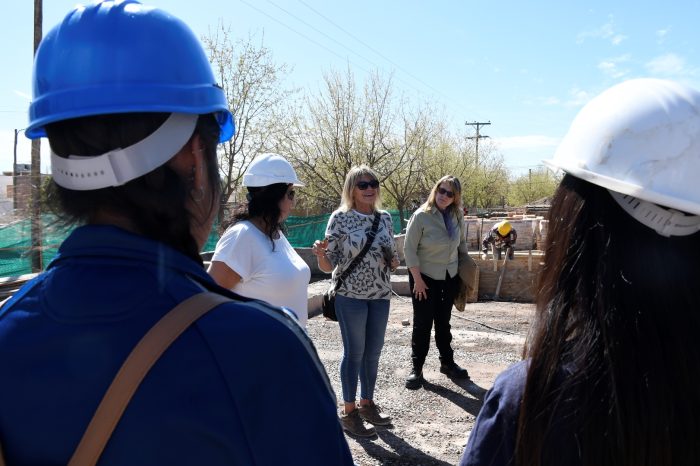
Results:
<point x="492" y="440"/>
<point x="221" y="394"/>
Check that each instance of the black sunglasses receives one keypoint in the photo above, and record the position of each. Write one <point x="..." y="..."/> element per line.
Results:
<point x="362" y="185"/>
<point x="447" y="193"/>
<point x="291" y="194"/>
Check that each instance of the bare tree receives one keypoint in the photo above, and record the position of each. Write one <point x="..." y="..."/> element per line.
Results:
<point x="341" y="127"/>
<point x="447" y="157"/>
<point x="404" y="186"/>
<point x="252" y="82"/>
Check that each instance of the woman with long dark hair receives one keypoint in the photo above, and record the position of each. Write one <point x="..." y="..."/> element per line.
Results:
<point x="610" y="375"/>
<point x="253" y="258"/>
<point x="127" y="98"/>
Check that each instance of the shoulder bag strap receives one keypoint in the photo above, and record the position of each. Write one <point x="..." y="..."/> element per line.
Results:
<point x="358" y="258"/>
<point x="134" y="369"/>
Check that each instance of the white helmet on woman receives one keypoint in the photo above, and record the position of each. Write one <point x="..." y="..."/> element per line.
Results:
<point x="269" y="169"/>
<point x="641" y="140"/>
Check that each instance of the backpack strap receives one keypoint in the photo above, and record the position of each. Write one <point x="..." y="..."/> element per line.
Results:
<point x="135" y="367"/>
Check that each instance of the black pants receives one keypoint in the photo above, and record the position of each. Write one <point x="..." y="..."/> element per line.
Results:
<point x="436" y="308"/>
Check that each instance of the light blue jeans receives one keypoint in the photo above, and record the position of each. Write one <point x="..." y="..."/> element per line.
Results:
<point x="362" y="326"/>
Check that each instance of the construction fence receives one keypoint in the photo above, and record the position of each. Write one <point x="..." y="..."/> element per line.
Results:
<point x="15" y="239"/>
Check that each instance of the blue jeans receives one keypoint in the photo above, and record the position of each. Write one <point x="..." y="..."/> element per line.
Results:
<point x="362" y="326"/>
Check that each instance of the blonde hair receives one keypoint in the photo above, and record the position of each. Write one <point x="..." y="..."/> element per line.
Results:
<point x="456" y="207"/>
<point x="347" y="202"/>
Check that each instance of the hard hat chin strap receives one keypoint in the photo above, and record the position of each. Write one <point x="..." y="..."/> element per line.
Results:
<point x="120" y="166"/>
<point x="666" y="222"/>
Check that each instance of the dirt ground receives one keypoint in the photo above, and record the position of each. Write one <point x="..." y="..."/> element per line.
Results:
<point x="430" y="425"/>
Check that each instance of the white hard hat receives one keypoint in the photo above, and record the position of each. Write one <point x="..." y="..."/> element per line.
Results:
<point x="269" y="169"/>
<point x="641" y="139"/>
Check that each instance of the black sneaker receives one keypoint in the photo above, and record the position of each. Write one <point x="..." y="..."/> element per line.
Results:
<point x="415" y="380"/>
<point x="452" y="370"/>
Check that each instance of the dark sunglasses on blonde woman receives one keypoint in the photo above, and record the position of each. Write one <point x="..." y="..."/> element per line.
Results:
<point x="362" y="185"/>
<point x="447" y="193"/>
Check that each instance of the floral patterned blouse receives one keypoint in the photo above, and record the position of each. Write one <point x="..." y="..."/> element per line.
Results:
<point x="347" y="234"/>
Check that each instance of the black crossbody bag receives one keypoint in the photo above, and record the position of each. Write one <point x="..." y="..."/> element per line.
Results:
<point x="328" y="304"/>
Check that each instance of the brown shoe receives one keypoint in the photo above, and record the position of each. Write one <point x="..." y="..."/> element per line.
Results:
<point x="373" y="414"/>
<point x="353" y="424"/>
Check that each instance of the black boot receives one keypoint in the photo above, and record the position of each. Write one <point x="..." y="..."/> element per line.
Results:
<point x="415" y="379"/>
<point x="452" y="370"/>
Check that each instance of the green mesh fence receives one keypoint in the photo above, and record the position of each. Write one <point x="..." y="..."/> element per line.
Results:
<point x="15" y="239"/>
<point x="15" y="245"/>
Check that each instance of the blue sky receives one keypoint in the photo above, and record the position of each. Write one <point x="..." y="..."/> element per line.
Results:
<point x="527" y="67"/>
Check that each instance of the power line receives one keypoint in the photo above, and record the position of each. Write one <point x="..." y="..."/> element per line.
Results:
<point x="319" y="31"/>
<point x="372" y="49"/>
<point x="301" y="34"/>
<point x="448" y="101"/>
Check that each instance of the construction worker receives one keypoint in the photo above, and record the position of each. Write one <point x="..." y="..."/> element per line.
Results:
<point x="501" y="236"/>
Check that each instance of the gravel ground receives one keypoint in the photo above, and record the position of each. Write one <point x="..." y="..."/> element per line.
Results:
<point x="430" y="425"/>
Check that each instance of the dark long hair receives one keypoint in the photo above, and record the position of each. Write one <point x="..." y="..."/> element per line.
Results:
<point x="155" y="202"/>
<point x="264" y="203"/>
<point x="614" y="351"/>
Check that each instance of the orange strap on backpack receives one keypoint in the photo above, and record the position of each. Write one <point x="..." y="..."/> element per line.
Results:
<point x="133" y="370"/>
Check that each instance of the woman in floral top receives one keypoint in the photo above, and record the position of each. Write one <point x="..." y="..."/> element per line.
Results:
<point x="362" y="301"/>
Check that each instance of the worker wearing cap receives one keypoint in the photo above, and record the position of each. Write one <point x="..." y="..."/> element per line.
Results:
<point x="502" y="236"/>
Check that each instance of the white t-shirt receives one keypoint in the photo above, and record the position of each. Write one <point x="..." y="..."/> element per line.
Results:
<point x="279" y="277"/>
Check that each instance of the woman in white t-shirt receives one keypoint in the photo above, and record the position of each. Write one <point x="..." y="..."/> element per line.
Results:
<point x="253" y="257"/>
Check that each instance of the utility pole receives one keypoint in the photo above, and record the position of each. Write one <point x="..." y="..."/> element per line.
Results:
<point x="477" y="125"/>
<point x="36" y="227"/>
<point x="14" y="176"/>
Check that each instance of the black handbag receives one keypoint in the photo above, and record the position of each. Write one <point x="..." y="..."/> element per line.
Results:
<point x="328" y="302"/>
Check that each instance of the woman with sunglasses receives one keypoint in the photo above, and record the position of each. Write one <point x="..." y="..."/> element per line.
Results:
<point x="362" y="301"/>
<point x="435" y="237"/>
<point x="253" y="257"/>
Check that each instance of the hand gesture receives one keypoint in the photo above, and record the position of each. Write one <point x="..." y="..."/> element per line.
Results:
<point x="319" y="247"/>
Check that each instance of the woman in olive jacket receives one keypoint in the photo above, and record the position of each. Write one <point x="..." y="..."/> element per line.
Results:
<point x="435" y="236"/>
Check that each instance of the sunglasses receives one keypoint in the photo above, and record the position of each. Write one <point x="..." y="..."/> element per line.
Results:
<point x="362" y="185"/>
<point x="445" y="192"/>
<point x="291" y="194"/>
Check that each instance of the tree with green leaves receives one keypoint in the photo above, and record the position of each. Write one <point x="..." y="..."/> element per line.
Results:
<point x="533" y="186"/>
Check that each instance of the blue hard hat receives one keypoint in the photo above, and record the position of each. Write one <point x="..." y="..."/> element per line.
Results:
<point x="120" y="57"/>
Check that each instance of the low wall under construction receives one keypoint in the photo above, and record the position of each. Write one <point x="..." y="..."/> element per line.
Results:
<point x="517" y="281"/>
<point x="518" y="277"/>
